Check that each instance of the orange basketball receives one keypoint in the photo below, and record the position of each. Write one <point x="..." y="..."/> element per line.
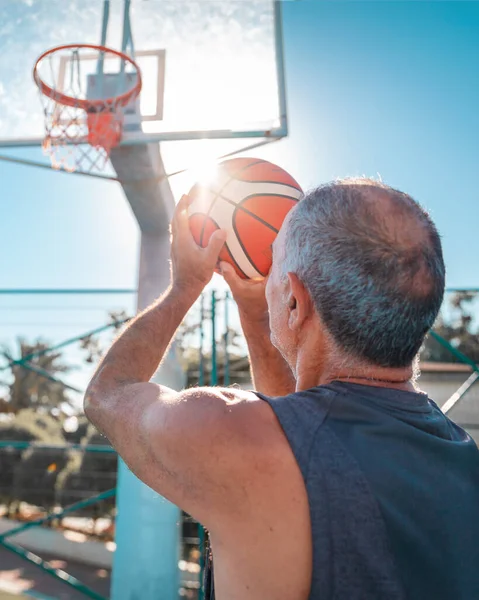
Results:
<point x="248" y="198"/>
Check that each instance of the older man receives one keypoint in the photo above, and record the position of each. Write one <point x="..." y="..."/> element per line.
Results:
<point x="336" y="478"/>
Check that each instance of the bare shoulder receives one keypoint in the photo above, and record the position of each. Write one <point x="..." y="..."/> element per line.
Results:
<point x="219" y="411"/>
<point x="225" y="431"/>
<point x="231" y="443"/>
<point x="202" y="448"/>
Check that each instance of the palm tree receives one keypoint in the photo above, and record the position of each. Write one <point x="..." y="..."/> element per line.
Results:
<point x="36" y="383"/>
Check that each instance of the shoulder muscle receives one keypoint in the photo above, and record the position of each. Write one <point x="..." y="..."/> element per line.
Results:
<point x="199" y="448"/>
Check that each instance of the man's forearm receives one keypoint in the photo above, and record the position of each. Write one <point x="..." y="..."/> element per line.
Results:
<point x="270" y="372"/>
<point x="137" y="353"/>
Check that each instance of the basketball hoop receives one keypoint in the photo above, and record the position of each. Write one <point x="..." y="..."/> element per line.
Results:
<point x="84" y="110"/>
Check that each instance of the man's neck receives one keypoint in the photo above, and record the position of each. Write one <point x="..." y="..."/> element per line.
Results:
<point x="405" y="385"/>
<point x="310" y="373"/>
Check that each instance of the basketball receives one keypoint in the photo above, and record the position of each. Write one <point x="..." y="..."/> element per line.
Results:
<point x="248" y="198"/>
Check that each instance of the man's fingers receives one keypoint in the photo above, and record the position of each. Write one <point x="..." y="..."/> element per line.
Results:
<point x="184" y="203"/>
<point x="229" y="274"/>
<point x="181" y="209"/>
<point x="215" y="244"/>
<point x="237" y="284"/>
<point x="180" y="225"/>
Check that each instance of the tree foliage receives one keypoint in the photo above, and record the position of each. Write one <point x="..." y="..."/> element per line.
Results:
<point x="22" y="471"/>
<point x="92" y="344"/>
<point x="38" y="409"/>
<point x="32" y="388"/>
<point x="459" y="327"/>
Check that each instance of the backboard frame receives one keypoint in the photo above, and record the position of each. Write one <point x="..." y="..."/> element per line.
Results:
<point x="275" y="132"/>
<point x="160" y="75"/>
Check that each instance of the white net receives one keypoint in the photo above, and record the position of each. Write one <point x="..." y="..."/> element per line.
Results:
<point x="83" y="110"/>
<point x="77" y="141"/>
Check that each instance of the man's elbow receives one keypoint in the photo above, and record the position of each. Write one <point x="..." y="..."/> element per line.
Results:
<point x="94" y="402"/>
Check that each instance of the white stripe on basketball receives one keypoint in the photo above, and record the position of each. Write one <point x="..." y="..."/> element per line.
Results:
<point x="222" y="212"/>
<point x="236" y="190"/>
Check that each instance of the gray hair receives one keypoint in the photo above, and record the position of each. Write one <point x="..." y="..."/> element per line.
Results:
<point x="376" y="277"/>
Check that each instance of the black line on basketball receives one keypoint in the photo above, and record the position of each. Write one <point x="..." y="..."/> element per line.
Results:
<point x="278" y="183"/>
<point x="245" y="210"/>
<point x="205" y="220"/>
<point x="203" y="227"/>
<point x="226" y="245"/>
<point x="295" y="187"/>
<point x="245" y="252"/>
<point x="256" y="161"/>
<point x="253" y="216"/>
<point x="238" y="206"/>
<point x="233" y="259"/>
<point x="278" y="169"/>
<point x="231" y="178"/>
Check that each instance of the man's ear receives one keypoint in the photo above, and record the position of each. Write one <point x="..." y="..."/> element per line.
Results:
<point x="299" y="302"/>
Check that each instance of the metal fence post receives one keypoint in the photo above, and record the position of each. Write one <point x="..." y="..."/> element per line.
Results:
<point x="214" y="362"/>
<point x="226" y="361"/>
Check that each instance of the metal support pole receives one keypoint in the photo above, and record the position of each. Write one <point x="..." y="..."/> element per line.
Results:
<point x="101" y="56"/>
<point x="127" y="39"/>
<point x="201" y="382"/>
<point x="201" y="366"/>
<point x="202" y="549"/>
<point x="214" y="363"/>
<point x="280" y="70"/>
<point x="147" y="528"/>
<point x="104" y="27"/>
<point x="226" y="361"/>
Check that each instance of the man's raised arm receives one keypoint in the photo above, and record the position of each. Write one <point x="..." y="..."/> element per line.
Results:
<point x="270" y="372"/>
<point x="179" y="443"/>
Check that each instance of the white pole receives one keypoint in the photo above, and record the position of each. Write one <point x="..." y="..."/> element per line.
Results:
<point x="148" y="526"/>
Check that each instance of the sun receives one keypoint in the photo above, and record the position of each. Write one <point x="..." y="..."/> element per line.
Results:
<point x="204" y="171"/>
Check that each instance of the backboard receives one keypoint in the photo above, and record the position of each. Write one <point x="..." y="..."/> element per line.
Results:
<point x="210" y="69"/>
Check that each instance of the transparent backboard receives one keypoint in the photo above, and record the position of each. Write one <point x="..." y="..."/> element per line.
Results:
<point x="209" y="68"/>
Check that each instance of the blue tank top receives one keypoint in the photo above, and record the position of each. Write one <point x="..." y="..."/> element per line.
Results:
<point x="393" y="488"/>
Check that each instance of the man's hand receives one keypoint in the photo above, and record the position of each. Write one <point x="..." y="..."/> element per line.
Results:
<point x="136" y="354"/>
<point x="192" y="266"/>
<point x="249" y="295"/>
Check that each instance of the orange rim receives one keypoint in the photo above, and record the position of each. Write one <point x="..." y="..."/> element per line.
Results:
<point x="61" y="98"/>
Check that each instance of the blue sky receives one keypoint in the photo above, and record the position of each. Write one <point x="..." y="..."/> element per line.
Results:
<point x="388" y="88"/>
